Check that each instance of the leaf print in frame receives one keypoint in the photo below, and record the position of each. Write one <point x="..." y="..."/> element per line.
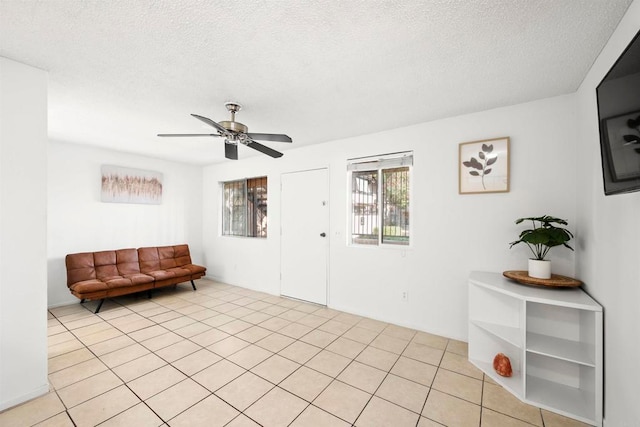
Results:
<point x="483" y="166"/>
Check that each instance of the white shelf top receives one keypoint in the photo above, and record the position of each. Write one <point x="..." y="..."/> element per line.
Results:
<point x="567" y="297"/>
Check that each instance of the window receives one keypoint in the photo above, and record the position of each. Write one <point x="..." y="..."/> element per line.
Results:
<point x="244" y="209"/>
<point x="380" y="195"/>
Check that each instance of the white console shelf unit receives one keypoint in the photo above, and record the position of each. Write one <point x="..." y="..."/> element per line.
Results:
<point x="553" y="338"/>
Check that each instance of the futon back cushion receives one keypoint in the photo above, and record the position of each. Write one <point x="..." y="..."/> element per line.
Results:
<point x="167" y="260"/>
<point x="127" y="261"/>
<point x="149" y="259"/>
<point x="182" y="255"/>
<point x="105" y="263"/>
<point x="80" y="267"/>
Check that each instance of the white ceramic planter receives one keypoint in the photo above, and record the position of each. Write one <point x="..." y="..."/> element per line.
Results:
<point x="539" y="269"/>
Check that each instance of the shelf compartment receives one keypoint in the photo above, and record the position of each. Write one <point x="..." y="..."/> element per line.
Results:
<point x="560" y="385"/>
<point x="565" y="327"/>
<point x="507" y="333"/>
<point x="512" y="383"/>
<point x="495" y="308"/>
<point x="571" y="351"/>
<point x="486" y="346"/>
<point x="560" y="398"/>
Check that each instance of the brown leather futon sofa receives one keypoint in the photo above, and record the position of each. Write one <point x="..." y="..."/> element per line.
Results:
<point x="106" y="274"/>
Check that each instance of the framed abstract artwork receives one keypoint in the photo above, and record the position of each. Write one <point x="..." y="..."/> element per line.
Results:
<point x="126" y="185"/>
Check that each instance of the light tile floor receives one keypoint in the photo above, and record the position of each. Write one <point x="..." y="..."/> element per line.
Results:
<point x="229" y="356"/>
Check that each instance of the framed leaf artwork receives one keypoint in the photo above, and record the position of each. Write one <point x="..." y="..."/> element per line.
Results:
<point x="483" y="166"/>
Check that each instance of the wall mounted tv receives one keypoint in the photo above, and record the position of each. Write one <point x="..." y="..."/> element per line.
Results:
<point x="619" y="115"/>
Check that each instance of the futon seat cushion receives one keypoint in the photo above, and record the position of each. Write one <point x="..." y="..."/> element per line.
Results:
<point x="89" y="286"/>
<point x="195" y="269"/>
<point x="117" y="282"/>
<point x="161" y="274"/>
<point x="179" y="271"/>
<point x="139" y="278"/>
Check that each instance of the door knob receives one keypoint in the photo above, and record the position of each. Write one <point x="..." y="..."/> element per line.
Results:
<point x="323" y="234"/>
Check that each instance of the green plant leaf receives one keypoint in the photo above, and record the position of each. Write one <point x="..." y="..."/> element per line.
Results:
<point x="535" y="237"/>
<point x="545" y="220"/>
<point x="544" y="235"/>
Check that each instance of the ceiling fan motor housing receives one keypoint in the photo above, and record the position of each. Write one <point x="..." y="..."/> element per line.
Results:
<point x="232" y="125"/>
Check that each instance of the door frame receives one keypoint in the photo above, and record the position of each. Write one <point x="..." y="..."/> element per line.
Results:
<point x="328" y="245"/>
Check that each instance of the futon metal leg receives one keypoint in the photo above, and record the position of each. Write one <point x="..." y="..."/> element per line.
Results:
<point x="82" y="300"/>
<point x="194" y="285"/>
<point x="99" y="306"/>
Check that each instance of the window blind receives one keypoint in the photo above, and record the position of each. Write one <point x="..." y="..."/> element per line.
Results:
<point x="384" y="161"/>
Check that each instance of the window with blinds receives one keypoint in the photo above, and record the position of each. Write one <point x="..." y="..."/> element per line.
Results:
<point x="244" y="210"/>
<point x="380" y="199"/>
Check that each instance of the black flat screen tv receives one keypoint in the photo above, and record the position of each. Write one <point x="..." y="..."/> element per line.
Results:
<point x="619" y="117"/>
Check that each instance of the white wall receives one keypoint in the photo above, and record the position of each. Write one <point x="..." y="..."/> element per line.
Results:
<point x="608" y="256"/>
<point x="452" y="234"/>
<point x="80" y="222"/>
<point x="23" y="222"/>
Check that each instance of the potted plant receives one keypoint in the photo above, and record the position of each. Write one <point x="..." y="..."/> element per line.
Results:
<point x="544" y="235"/>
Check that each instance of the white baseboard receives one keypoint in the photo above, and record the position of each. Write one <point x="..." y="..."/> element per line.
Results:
<point x="393" y="321"/>
<point x="63" y="303"/>
<point x="40" y="391"/>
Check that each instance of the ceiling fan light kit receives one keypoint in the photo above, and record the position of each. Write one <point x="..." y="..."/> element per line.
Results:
<point x="235" y="132"/>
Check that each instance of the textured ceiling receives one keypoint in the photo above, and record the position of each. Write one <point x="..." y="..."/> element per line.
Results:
<point x="122" y="71"/>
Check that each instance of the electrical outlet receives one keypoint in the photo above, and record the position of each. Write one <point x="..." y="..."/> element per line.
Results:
<point x="405" y="296"/>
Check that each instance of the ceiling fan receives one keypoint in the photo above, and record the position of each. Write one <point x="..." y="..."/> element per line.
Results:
<point x="235" y="132"/>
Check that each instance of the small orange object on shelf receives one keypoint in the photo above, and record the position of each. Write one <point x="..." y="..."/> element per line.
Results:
<point x="502" y="365"/>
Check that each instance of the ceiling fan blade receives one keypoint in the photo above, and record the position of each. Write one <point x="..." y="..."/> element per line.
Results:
<point x="231" y="151"/>
<point x="275" y="137"/>
<point x="188" y="134"/>
<point x="210" y="123"/>
<point x="264" y="149"/>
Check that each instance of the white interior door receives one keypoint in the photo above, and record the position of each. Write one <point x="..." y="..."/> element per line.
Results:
<point x="305" y="235"/>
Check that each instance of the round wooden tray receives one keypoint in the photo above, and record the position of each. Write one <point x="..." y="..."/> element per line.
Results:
<point x="556" y="281"/>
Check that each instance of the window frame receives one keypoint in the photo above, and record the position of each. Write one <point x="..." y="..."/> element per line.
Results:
<point x="379" y="164"/>
<point x="248" y="213"/>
